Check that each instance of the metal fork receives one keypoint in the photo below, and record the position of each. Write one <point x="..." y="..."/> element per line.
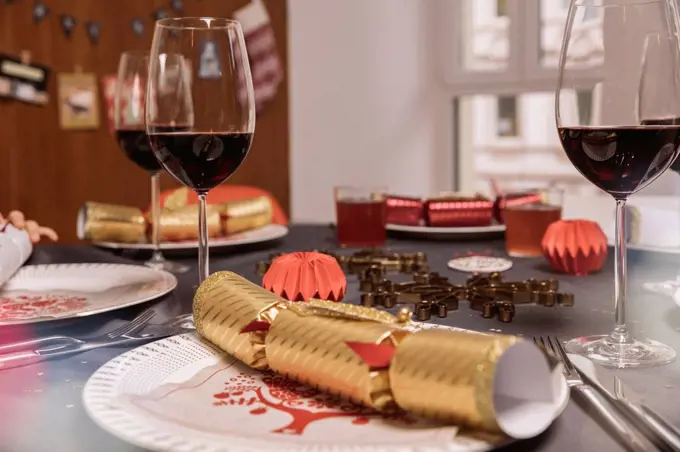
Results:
<point x="60" y="341"/>
<point x="626" y="435"/>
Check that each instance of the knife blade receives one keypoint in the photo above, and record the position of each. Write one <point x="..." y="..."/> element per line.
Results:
<point x="629" y="404"/>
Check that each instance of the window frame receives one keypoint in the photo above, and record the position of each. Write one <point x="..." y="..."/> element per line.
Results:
<point x="524" y="73"/>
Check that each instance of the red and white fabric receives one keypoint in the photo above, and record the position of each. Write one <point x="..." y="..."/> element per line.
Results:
<point x="264" y="59"/>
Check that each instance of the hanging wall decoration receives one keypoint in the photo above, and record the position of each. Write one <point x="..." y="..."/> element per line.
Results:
<point x="265" y="63"/>
<point x="78" y="101"/>
<point x="93" y="32"/>
<point x="68" y="23"/>
<point x="209" y="63"/>
<point x="40" y="11"/>
<point x="159" y="14"/>
<point x="109" y="90"/>
<point x="177" y="5"/>
<point x="138" y="26"/>
<point x="22" y="80"/>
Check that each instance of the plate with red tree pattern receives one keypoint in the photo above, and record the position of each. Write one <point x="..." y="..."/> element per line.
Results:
<point x="183" y="394"/>
<point x="41" y="293"/>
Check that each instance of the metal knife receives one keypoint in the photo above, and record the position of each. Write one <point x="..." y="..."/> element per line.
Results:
<point x="629" y="404"/>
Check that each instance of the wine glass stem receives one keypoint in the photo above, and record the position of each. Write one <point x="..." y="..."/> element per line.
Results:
<point x="156" y="216"/>
<point x="202" y="238"/>
<point x="620" y="334"/>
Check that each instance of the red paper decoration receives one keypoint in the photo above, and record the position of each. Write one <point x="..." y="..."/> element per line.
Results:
<point x="307" y="275"/>
<point x="577" y="247"/>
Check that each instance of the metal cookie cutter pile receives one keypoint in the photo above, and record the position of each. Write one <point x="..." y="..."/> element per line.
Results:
<point x="433" y="294"/>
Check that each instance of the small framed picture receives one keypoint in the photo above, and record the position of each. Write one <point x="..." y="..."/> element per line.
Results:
<point x="78" y="101"/>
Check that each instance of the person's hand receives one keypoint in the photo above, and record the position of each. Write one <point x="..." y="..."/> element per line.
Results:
<point x="35" y="231"/>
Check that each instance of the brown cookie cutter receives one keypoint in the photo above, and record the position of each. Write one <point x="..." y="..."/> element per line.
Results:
<point x="432" y="294"/>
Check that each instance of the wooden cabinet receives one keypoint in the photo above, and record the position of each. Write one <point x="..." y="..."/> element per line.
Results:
<point x="48" y="172"/>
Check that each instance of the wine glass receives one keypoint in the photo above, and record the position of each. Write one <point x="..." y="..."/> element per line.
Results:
<point x="203" y="117"/>
<point x="655" y="45"/>
<point x="633" y="139"/>
<point x="131" y="135"/>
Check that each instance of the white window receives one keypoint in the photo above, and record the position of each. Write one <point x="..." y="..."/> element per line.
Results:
<point x="507" y="117"/>
<point x="500" y="61"/>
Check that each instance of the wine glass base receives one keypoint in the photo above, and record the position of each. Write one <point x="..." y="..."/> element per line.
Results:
<point x="168" y="266"/>
<point x="604" y="351"/>
<point x="668" y="288"/>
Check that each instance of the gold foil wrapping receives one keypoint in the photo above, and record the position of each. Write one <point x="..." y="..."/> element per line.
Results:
<point x="458" y="368"/>
<point x="224" y="305"/>
<point x="182" y="223"/>
<point x="110" y="223"/>
<point x="443" y="375"/>
<point x="238" y="216"/>
<point x="178" y="221"/>
<point x="313" y="350"/>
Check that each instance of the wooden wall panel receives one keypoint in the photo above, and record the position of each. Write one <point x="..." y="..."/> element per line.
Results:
<point x="48" y="172"/>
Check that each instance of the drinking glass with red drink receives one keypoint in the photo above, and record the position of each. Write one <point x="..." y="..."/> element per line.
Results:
<point x="360" y="216"/>
<point x="528" y="217"/>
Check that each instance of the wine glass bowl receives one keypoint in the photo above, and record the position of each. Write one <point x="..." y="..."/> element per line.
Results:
<point x="130" y="131"/>
<point x="201" y="111"/>
<point x="633" y="137"/>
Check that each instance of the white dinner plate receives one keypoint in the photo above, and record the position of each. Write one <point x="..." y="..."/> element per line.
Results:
<point x="40" y="293"/>
<point x="259" y="235"/>
<point x="457" y="233"/>
<point x="183" y="394"/>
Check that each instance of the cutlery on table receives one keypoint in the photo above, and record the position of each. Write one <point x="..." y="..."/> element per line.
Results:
<point x="629" y="437"/>
<point x="60" y="341"/>
<point x="134" y="331"/>
<point x="663" y="433"/>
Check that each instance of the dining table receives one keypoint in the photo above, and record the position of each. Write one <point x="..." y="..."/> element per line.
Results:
<point x="42" y="407"/>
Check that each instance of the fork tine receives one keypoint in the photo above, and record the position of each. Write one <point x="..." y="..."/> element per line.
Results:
<point x="562" y="353"/>
<point x="141" y="319"/>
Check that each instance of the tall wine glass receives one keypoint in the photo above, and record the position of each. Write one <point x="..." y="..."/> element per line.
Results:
<point x="203" y="119"/>
<point x="131" y="135"/>
<point x="633" y="139"/>
<point x="655" y="48"/>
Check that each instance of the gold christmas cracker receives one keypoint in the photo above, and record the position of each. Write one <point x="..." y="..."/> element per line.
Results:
<point x="182" y="223"/>
<point x="443" y="375"/>
<point x="238" y="216"/>
<point x="107" y="222"/>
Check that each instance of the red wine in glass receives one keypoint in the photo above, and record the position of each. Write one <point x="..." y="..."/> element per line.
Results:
<point x="135" y="144"/>
<point x="621" y="160"/>
<point x="201" y="161"/>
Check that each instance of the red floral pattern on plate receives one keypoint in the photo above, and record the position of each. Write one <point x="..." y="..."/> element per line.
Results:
<point x="25" y="307"/>
<point x="304" y="404"/>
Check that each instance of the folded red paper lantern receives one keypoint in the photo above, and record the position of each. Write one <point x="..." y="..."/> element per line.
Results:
<point x="307" y="275"/>
<point x="577" y="247"/>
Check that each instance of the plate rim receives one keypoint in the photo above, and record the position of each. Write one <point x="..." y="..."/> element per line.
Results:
<point x="445" y="230"/>
<point x="278" y="231"/>
<point x="166" y="276"/>
<point x="91" y="400"/>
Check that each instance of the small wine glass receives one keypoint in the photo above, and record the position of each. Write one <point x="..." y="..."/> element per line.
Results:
<point x="632" y="141"/>
<point x="203" y="117"/>
<point x="129" y="103"/>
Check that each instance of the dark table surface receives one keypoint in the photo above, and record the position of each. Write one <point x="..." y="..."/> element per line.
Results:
<point x="42" y="409"/>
